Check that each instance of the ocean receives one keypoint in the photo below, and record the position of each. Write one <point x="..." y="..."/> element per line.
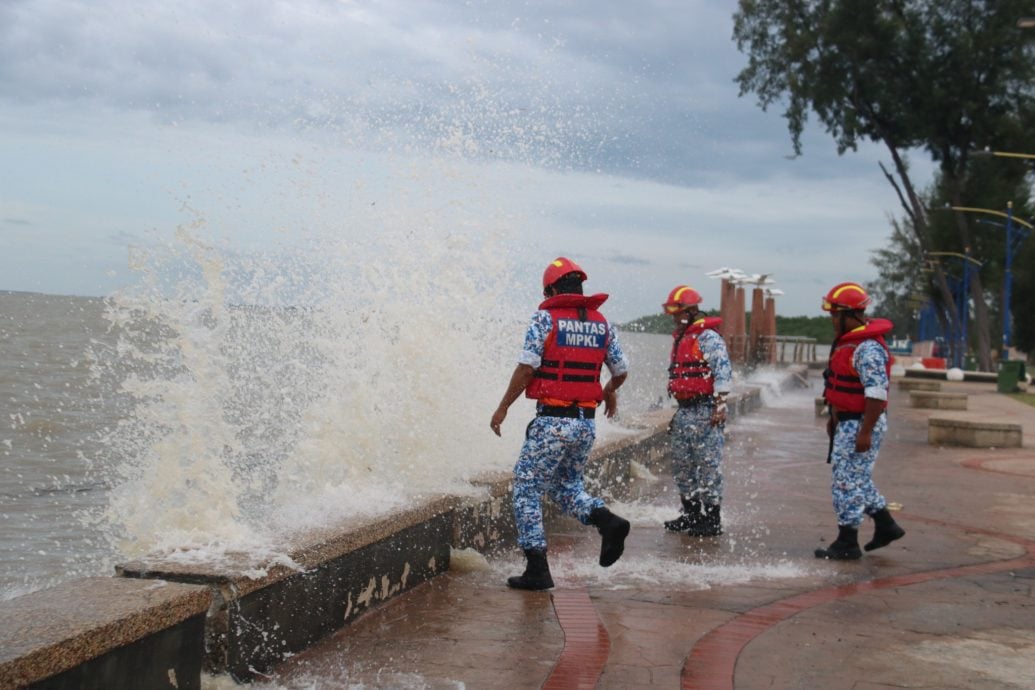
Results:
<point x="151" y="422"/>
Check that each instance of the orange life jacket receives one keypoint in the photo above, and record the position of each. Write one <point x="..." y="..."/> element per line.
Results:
<point x="842" y="388"/>
<point x="574" y="351"/>
<point x="689" y="375"/>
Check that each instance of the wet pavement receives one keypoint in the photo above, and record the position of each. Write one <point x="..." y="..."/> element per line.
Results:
<point x="949" y="606"/>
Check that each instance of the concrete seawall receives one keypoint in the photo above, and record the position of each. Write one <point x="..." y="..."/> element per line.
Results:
<point x="158" y="624"/>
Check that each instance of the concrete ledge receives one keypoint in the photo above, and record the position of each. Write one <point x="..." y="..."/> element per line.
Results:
<point x="919" y="385"/>
<point x="959" y="432"/>
<point x="933" y="400"/>
<point x="256" y="622"/>
<point x="104" y="632"/>
<point x="745" y="402"/>
<point x="486" y="524"/>
<point x="968" y="376"/>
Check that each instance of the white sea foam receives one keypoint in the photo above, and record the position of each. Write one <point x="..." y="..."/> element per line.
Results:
<point x="345" y="371"/>
<point x="254" y="420"/>
<point x="659" y="571"/>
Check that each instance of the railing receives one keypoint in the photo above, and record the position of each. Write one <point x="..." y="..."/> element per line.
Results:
<point x="791" y="349"/>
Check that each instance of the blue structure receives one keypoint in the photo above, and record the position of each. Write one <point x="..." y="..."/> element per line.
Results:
<point x="930" y="327"/>
<point x="1014" y="237"/>
<point x="1016" y="232"/>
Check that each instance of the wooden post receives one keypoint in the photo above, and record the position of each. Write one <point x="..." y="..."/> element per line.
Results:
<point x="724" y="310"/>
<point x="756" y="326"/>
<point x="739" y="320"/>
<point x="770" y="327"/>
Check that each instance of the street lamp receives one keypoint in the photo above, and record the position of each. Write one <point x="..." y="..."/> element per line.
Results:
<point x="1012" y="243"/>
<point x="1030" y="157"/>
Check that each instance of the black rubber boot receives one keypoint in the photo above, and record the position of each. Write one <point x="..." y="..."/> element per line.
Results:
<point x="845" y="547"/>
<point x="613" y="531"/>
<point x="690" y="516"/>
<point x="537" y="572"/>
<point x="710" y="525"/>
<point x="886" y="530"/>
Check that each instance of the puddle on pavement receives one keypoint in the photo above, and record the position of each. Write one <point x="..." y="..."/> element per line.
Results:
<point x="1003" y="655"/>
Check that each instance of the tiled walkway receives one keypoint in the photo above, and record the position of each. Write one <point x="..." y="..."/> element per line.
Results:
<point x="952" y="605"/>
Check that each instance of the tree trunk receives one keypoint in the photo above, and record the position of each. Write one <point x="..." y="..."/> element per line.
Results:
<point x="982" y="327"/>
<point x="915" y="210"/>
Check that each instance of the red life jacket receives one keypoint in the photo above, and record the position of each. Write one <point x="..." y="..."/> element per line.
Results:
<point x="842" y="388"/>
<point x="689" y="375"/>
<point x="574" y="351"/>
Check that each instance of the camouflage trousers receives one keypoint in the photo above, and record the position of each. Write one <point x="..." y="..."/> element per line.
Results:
<point x="854" y="492"/>
<point x="552" y="460"/>
<point x="696" y="448"/>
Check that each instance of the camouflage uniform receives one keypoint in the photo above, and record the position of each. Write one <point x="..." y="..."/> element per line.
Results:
<point x="853" y="489"/>
<point x="556" y="449"/>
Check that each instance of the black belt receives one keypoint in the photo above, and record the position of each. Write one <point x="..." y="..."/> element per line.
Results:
<point x="695" y="401"/>
<point x="571" y="411"/>
<point x="847" y="416"/>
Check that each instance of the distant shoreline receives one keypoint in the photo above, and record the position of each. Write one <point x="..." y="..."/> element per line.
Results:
<point x="49" y="294"/>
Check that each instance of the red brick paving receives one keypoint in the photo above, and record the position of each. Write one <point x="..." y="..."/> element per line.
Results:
<point x="711" y="663"/>
<point x="971" y="527"/>
<point x="586" y="643"/>
<point x="984" y="464"/>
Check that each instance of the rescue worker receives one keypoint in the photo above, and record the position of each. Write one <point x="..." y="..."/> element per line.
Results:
<point x="566" y="345"/>
<point x="699" y="378"/>
<point x="856" y="389"/>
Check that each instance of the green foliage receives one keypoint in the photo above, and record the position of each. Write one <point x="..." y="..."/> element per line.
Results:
<point x="652" y="323"/>
<point x="657" y="323"/>
<point x="817" y="327"/>
<point x="901" y="288"/>
<point x="949" y="77"/>
<point x="939" y="74"/>
<point x="904" y="282"/>
<point x="1023" y="301"/>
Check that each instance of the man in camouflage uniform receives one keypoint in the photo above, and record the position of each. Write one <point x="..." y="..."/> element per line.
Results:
<point x="856" y="389"/>
<point x="700" y="377"/>
<point x="566" y="344"/>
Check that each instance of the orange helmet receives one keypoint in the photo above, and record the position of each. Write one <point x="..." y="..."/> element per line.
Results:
<point x="846" y="297"/>
<point x="682" y="297"/>
<point x="559" y="268"/>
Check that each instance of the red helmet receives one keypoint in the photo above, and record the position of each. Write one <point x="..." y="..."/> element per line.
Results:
<point x="682" y="297"/>
<point x="846" y="297"/>
<point x="559" y="268"/>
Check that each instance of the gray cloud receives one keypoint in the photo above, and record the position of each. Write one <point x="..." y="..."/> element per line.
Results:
<point x="640" y="89"/>
<point x="630" y="260"/>
<point x="125" y="112"/>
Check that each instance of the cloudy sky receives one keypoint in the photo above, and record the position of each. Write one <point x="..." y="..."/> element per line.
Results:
<point x="610" y="131"/>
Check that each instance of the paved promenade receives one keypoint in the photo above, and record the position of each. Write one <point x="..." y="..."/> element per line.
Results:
<point x="949" y="606"/>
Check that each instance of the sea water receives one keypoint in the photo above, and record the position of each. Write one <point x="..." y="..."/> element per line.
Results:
<point x="196" y="424"/>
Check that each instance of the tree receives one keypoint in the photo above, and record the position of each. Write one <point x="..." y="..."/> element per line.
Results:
<point x="900" y="290"/>
<point x="944" y="76"/>
<point x="1024" y="301"/>
<point x="991" y="183"/>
